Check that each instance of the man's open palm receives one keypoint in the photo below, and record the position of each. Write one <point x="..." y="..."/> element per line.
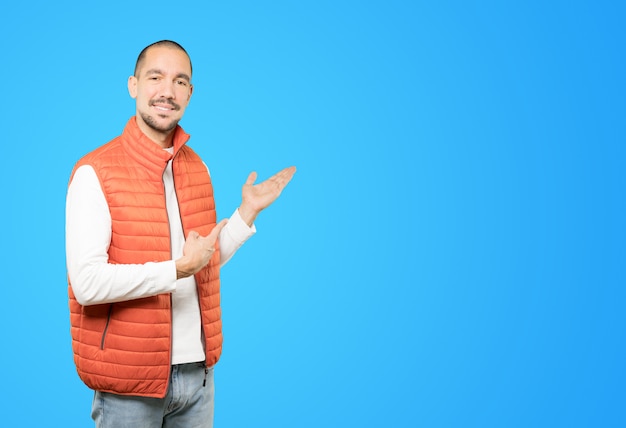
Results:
<point x="257" y="197"/>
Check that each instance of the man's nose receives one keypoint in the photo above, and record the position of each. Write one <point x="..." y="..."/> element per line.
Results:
<point x="166" y="90"/>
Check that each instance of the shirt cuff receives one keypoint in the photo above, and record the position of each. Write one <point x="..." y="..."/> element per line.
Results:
<point x="163" y="276"/>
<point x="238" y="230"/>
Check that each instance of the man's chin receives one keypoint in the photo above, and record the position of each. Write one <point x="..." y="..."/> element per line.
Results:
<point x="162" y="125"/>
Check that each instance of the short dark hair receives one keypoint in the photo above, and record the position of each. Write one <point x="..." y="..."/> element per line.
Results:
<point x="166" y="43"/>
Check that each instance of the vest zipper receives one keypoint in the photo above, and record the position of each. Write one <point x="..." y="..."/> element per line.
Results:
<point x="167" y="215"/>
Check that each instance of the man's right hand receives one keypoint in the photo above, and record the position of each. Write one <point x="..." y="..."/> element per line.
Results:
<point x="197" y="251"/>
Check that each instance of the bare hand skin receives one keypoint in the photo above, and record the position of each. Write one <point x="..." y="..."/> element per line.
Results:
<point x="197" y="251"/>
<point x="257" y="197"/>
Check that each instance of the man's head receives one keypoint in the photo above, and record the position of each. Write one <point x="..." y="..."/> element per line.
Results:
<point x="161" y="87"/>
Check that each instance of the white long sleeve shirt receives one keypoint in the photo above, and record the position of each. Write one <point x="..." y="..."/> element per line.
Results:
<point x="95" y="281"/>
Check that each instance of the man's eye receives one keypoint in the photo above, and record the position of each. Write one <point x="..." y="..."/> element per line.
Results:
<point x="181" y="82"/>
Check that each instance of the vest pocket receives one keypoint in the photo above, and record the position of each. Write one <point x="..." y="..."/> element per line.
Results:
<point x="106" y="327"/>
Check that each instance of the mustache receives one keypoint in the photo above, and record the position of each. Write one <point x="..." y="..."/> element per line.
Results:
<point x="165" y="101"/>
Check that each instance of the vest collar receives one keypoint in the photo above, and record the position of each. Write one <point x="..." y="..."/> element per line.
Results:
<point x="146" y="151"/>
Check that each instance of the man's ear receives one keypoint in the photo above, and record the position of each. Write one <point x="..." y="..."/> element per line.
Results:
<point x="190" y="92"/>
<point x="132" y="86"/>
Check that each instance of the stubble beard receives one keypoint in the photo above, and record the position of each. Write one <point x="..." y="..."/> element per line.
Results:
<point x="152" y="123"/>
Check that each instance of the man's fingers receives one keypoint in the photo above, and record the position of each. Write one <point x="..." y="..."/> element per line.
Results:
<point x="216" y="231"/>
<point x="208" y="242"/>
<point x="286" y="174"/>
<point x="290" y="171"/>
<point x="282" y="178"/>
<point x="251" y="178"/>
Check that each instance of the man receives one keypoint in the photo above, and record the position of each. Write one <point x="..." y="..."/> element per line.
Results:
<point x="144" y="250"/>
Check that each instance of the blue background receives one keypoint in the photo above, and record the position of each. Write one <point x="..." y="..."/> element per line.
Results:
<point x="450" y="252"/>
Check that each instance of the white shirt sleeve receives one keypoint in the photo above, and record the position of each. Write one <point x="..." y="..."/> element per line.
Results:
<point x="88" y="235"/>
<point x="233" y="235"/>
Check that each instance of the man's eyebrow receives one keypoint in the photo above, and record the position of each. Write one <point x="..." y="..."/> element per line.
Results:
<point x="184" y="76"/>
<point x="178" y="76"/>
<point x="153" y="71"/>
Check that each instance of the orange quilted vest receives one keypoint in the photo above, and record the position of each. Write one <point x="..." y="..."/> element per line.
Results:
<point x="125" y="347"/>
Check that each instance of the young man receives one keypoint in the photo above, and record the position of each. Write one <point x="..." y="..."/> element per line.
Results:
<point x="144" y="250"/>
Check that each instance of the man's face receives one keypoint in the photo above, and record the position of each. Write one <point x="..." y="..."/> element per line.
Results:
<point x="162" y="89"/>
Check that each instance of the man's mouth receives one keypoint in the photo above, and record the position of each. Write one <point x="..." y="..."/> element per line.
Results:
<point x="164" y="105"/>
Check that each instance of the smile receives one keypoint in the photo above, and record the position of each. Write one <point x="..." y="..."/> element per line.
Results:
<point x="164" y="105"/>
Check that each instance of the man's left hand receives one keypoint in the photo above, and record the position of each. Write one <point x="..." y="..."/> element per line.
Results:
<point x="256" y="197"/>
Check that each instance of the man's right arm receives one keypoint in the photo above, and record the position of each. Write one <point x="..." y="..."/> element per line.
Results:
<point x="88" y="235"/>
